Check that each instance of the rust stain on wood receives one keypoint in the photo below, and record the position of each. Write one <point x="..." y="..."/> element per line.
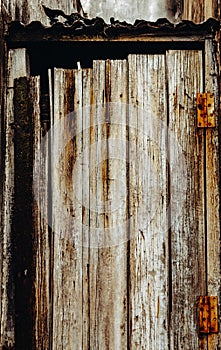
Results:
<point x="208" y="314"/>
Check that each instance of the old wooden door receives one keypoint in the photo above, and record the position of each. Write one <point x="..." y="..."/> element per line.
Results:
<point x="126" y="204"/>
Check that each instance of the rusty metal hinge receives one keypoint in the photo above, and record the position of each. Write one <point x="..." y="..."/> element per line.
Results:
<point x="208" y="314"/>
<point x="205" y="110"/>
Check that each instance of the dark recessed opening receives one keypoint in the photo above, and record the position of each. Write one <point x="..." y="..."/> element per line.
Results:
<point x="66" y="55"/>
<point x="49" y="55"/>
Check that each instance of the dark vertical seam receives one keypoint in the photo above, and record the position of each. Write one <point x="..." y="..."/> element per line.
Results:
<point x="50" y="229"/>
<point x="128" y="216"/>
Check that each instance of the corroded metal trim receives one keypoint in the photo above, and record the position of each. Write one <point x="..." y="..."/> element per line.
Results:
<point x="96" y="27"/>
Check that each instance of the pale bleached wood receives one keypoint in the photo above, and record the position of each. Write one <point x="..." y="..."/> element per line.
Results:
<point x="212" y="186"/>
<point x="114" y="252"/>
<point x="56" y="142"/>
<point x="148" y="203"/>
<point x="58" y="104"/>
<point x="108" y="304"/>
<point x="86" y="109"/>
<point x="40" y="215"/>
<point x="17" y="67"/>
<point x="97" y="118"/>
<point x="186" y="153"/>
<point x="66" y="210"/>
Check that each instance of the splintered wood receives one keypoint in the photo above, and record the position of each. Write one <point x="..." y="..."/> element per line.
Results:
<point x="125" y="205"/>
<point x="128" y="204"/>
<point x="148" y="200"/>
<point x="188" y="223"/>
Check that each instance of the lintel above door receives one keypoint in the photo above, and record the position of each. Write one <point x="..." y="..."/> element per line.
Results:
<point x="17" y="34"/>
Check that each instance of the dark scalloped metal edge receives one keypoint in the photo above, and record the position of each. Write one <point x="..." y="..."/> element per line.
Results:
<point x="98" y="27"/>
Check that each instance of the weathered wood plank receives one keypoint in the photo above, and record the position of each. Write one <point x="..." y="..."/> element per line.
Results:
<point x="212" y="186"/>
<point x="22" y="218"/>
<point x="86" y="111"/>
<point x="97" y="118"/>
<point x="66" y="210"/>
<point x="40" y="215"/>
<point x="186" y="152"/>
<point x="114" y="253"/>
<point x="148" y="203"/>
<point x="204" y="10"/>
<point x="17" y="67"/>
<point x="193" y="12"/>
<point x="107" y="262"/>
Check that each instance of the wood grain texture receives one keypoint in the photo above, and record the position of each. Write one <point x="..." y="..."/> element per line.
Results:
<point x="93" y="289"/>
<point x="17" y="67"/>
<point x="86" y="112"/>
<point x="22" y="215"/>
<point x="92" y="263"/>
<point x="108" y="255"/>
<point x="40" y="216"/>
<point x="148" y="202"/>
<point x="201" y="11"/>
<point x="27" y="11"/>
<point x="186" y="198"/>
<point x="66" y="210"/>
<point x="212" y="186"/>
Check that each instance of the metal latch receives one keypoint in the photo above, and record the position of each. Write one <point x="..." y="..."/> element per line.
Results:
<point x="208" y="314"/>
<point x="205" y="110"/>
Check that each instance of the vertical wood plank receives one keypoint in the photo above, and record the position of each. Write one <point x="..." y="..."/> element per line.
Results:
<point x="97" y="118"/>
<point x="40" y="215"/>
<point x="192" y="12"/>
<point x="22" y="217"/>
<point x="56" y="141"/>
<point x="86" y="110"/>
<point x="17" y="67"/>
<point x="114" y="254"/>
<point x="185" y="79"/>
<point x="66" y="210"/>
<point x="212" y="186"/>
<point x="204" y="10"/>
<point x="148" y="203"/>
<point x="108" y="304"/>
